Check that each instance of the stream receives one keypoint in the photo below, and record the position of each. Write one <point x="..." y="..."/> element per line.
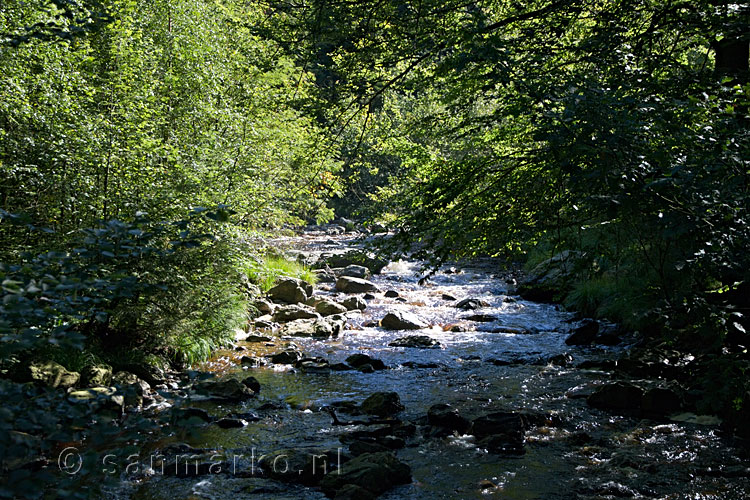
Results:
<point x="582" y="453"/>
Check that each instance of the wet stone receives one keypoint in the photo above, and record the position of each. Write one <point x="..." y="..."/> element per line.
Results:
<point x="400" y="320"/>
<point x="383" y="404"/>
<point x="416" y="341"/>
<point x="358" y="360"/>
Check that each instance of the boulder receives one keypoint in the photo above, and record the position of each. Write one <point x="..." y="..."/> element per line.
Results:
<point x="293" y="312"/>
<point x="353" y="492"/>
<point x="96" y="375"/>
<point x="416" y="341"/>
<point x="358" y="360"/>
<point x="617" y="396"/>
<point x="444" y="415"/>
<point x="229" y="389"/>
<point x="376" y="473"/>
<point x="348" y="284"/>
<point x="481" y="318"/>
<point x="52" y="374"/>
<point x="401" y="321"/>
<point x="584" y="334"/>
<point x="313" y="365"/>
<point x="325" y="276"/>
<point x="254" y="339"/>
<point x="357" y="257"/>
<point x="353" y="303"/>
<point x="198" y="414"/>
<point x="290" y="290"/>
<point x="252" y="383"/>
<point x="329" y="307"/>
<point x="102" y="397"/>
<point x="391" y="294"/>
<point x="299" y="465"/>
<point x="353" y="271"/>
<point x="319" y="328"/>
<point x="500" y="432"/>
<point x="133" y="388"/>
<point x="287" y="357"/>
<point x="471" y="304"/>
<point x="231" y="423"/>
<point x="447" y="297"/>
<point x="382" y="404"/>
<point x="499" y="423"/>
<point x="263" y="306"/>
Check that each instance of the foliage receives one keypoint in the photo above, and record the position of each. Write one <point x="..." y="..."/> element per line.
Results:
<point x="270" y="268"/>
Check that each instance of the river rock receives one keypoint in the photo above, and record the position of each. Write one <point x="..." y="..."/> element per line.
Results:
<point x="617" y="396"/>
<point x="391" y="294"/>
<point x="133" y="388"/>
<point x="286" y="357"/>
<point x="353" y="492"/>
<point x="300" y="465"/>
<point x="353" y="303"/>
<point x="229" y="389"/>
<point x="471" y="304"/>
<point x="293" y="312"/>
<point x="329" y="307"/>
<point x="382" y="404"/>
<point x="102" y="397"/>
<point x="400" y="320"/>
<point x="254" y="339"/>
<point x="96" y="375"/>
<point x="313" y="365"/>
<point x="353" y="271"/>
<point x="416" y="341"/>
<point x="444" y="415"/>
<point x="481" y="318"/>
<point x="358" y="447"/>
<point x="500" y="432"/>
<point x="348" y="284"/>
<point x="325" y="276"/>
<point x="319" y="328"/>
<point x="263" y="306"/>
<point x="290" y="290"/>
<point x="52" y="374"/>
<point x="231" y="423"/>
<point x="252" y="383"/>
<point x="584" y="334"/>
<point x="374" y="264"/>
<point x="373" y="472"/>
<point x="358" y="360"/>
<point x="194" y="413"/>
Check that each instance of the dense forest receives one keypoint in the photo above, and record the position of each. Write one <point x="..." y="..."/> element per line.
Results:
<point x="150" y="152"/>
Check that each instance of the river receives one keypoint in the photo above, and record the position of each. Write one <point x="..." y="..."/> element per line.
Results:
<point x="583" y="453"/>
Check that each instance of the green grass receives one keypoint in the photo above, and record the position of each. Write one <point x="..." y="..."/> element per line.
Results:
<point x="271" y="268"/>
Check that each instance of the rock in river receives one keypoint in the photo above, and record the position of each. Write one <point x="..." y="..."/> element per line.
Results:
<point x="584" y="334"/>
<point x="417" y="341"/>
<point x="376" y="473"/>
<point x="293" y="312"/>
<point x="353" y="303"/>
<point x="290" y="290"/>
<point x="382" y="404"/>
<point x="348" y="284"/>
<point x="401" y="321"/>
<point x="329" y="307"/>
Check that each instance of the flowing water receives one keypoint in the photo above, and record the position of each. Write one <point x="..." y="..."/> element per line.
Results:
<point x="590" y="454"/>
